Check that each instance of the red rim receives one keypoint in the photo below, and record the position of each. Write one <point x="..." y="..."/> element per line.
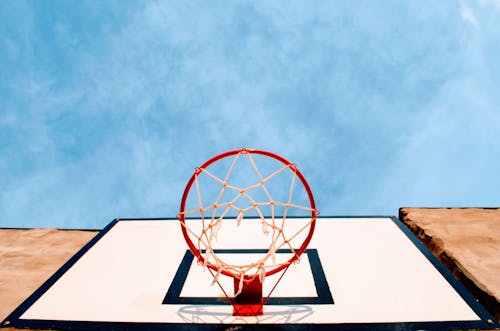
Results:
<point x="216" y="158"/>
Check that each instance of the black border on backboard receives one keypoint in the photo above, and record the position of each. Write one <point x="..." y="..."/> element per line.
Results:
<point x="486" y="320"/>
<point x="173" y="295"/>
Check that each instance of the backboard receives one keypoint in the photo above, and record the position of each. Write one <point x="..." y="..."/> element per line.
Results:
<point x="357" y="273"/>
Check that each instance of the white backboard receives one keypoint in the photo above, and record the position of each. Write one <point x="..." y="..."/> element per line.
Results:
<point x="358" y="272"/>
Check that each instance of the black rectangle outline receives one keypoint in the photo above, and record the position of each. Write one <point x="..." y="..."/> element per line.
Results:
<point x="323" y="290"/>
<point x="486" y="322"/>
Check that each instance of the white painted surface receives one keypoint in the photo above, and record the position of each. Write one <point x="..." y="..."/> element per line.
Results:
<point x="374" y="271"/>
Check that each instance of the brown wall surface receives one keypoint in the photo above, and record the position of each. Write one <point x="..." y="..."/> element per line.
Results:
<point x="29" y="257"/>
<point x="467" y="242"/>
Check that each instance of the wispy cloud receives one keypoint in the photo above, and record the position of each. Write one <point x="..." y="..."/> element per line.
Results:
<point x="467" y="14"/>
<point x="107" y="108"/>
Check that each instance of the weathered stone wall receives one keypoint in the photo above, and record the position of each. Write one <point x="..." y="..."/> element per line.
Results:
<point x="467" y="242"/>
<point x="29" y="257"/>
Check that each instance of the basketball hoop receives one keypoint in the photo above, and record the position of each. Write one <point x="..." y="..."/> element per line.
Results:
<point x="231" y="193"/>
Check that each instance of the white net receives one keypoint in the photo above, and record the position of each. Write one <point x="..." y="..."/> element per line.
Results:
<point x="235" y="203"/>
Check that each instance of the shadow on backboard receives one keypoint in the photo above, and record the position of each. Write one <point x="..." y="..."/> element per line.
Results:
<point x="201" y="314"/>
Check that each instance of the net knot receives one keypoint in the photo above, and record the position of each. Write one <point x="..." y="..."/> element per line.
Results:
<point x="217" y="276"/>
<point x="240" y="285"/>
<point x="239" y="218"/>
<point x="262" y="273"/>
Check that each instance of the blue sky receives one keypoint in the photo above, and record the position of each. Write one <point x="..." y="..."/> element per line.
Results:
<point x="106" y="107"/>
